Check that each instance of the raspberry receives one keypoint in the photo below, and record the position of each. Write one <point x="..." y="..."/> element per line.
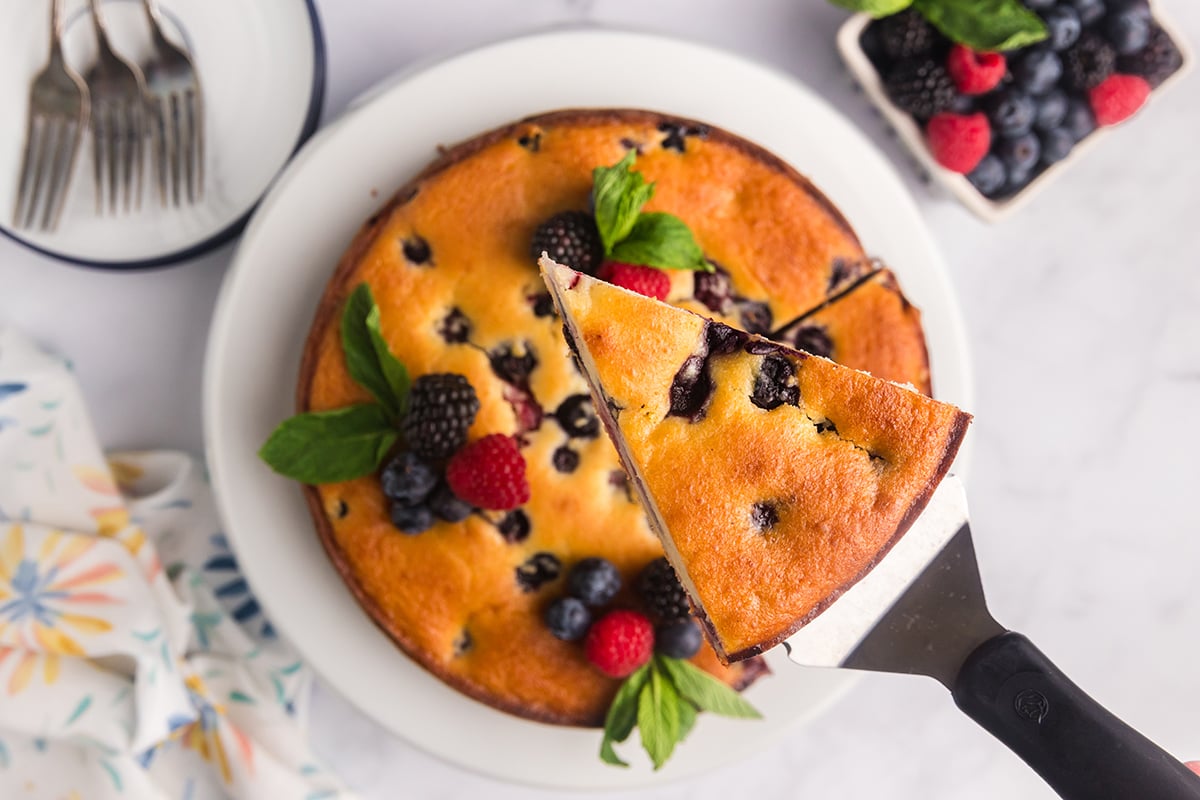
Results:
<point x="643" y="280"/>
<point x="489" y="473"/>
<point x="661" y="591"/>
<point x="1156" y="62"/>
<point x="959" y="142"/>
<point x="620" y="642"/>
<point x="906" y="34"/>
<point x="570" y="238"/>
<point x="1118" y="98"/>
<point x="441" y="408"/>
<point x="975" y="73"/>
<point x="1088" y="63"/>
<point x="921" y="88"/>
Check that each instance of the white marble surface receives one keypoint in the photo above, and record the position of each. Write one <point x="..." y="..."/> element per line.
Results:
<point x="1083" y="314"/>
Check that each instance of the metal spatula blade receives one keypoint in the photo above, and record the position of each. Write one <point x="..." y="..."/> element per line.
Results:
<point x="892" y="622"/>
<point x="921" y="610"/>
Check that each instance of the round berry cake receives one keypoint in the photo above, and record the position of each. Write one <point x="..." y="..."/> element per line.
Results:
<point x="504" y="526"/>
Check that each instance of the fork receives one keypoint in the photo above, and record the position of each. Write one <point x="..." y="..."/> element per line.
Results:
<point x="118" y="123"/>
<point x="176" y="108"/>
<point x="58" y="113"/>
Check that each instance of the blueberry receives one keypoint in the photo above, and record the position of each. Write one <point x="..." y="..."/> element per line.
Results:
<point x="445" y="504"/>
<point x="764" y="516"/>
<point x="755" y="317"/>
<point x="990" y="176"/>
<point x="1051" y="110"/>
<point x="514" y="526"/>
<point x="455" y="328"/>
<point x="538" y="570"/>
<point x="595" y="581"/>
<point x="1019" y="153"/>
<point x="568" y="619"/>
<point x="416" y="250"/>
<point x="1037" y="70"/>
<point x="714" y="289"/>
<point x="1079" y="121"/>
<point x="678" y="639"/>
<point x="1056" y="145"/>
<point x="1128" y="32"/>
<point x="565" y="459"/>
<point x="1011" y="112"/>
<point x="1089" y="10"/>
<point x="576" y="417"/>
<point x="775" y="384"/>
<point x="1138" y="7"/>
<point x="411" y="519"/>
<point x="1040" y="5"/>
<point x="407" y="479"/>
<point x="813" y="338"/>
<point x="1017" y="181"/>
<point x="1064" y="26"/>
<point x="512" y="367"/>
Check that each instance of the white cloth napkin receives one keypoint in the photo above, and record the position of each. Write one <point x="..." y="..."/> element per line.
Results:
<point x="134" y="661"/>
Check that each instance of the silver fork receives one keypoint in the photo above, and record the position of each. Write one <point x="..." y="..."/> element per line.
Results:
<point x="118" y="124"/>
<point x="176" y="109"/>
<point x="58" y="113"/>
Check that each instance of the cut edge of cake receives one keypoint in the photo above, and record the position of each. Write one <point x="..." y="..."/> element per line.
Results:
<point x="559" y="279"/>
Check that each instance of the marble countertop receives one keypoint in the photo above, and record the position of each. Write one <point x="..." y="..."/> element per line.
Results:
<point x="1083" y="317"/>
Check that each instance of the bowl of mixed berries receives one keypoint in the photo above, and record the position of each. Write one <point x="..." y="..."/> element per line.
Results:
<point x="997" y="97"/>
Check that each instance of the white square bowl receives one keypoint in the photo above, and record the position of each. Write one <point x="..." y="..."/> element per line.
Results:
<point x="864" y="72"/>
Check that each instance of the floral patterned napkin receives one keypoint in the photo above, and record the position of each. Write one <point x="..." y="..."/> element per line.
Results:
<point x="134" y="661"/>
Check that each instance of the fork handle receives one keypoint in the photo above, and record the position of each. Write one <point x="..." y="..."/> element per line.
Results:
<point x="56" y="28"/>
<point x="1084" y="752"/>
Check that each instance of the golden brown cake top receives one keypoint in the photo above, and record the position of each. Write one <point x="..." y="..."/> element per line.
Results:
<point x="775" y="479"/>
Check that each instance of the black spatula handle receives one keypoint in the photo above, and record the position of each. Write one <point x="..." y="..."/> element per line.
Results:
<point x="1085" y="753"/>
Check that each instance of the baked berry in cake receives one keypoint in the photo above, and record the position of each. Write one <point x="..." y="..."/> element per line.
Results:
<point x="775" y="478"/>
<point x="468" y="576"/>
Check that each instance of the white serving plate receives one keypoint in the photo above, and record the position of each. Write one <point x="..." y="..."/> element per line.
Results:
<point x="262" y="70"/>
<point x="914" y="138"/>
<point x="289" y="251"/>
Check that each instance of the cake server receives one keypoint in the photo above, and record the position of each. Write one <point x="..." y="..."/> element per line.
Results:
<point x="922" y="611"/>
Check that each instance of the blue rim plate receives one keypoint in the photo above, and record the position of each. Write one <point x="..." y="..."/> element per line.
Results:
<point x="262" y="66"/>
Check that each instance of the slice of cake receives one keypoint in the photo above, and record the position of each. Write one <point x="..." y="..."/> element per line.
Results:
<point x="775" y="479"/>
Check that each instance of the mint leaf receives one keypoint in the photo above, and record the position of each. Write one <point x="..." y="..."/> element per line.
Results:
<point x="687" y="718"/>
<point x="622" y="715"/>
<point x="370" y="363"/>
<point x="330" y="446"/>
<point x="876" y="8"/>
<point x="705" y="691"/>
<point x="393" y="371"/>
<point x="659" y="239"/>
<point x="986" y="25"/>
<point x="618" y="194"/>
<point x="658" y="716"/>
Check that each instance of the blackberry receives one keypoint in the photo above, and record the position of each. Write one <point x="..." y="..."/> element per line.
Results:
<point x="906" y="35"/>
<point x="678" y="639"/>
<point x="1156" y="62"/>
<point x="571" y="238"/>
<point x="661" y="591"/>
<point x="1088" y="63"/>
<point x="568" y="619"/>
<point x="595" y="581"/>
<point x="442" y="407"/>
<point x="921" y="87"/>
<point x="407" y="479"/>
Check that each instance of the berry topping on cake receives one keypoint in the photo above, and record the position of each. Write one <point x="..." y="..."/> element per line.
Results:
<point x="812" y="339"/>
<point x="489" y="473"/>
<point x="568" y="619"/>
<point x="455" y="328"/>
<point x="407" y="479"/>
<point x="571" y="238"/>
<point x="775" y="384"/>
<point x="442" y="407"/>
<point x="959" y="142"/>
<point x="416" y="250"/>
<point x="540" y="569"/>
<point x="595" y="581"/>
<point x="565" y="459"/>
<point x="1118" y="98"/>
<point x="1088" y="63"/>
<point x="411" y="519"/>
<point x="448" y="506"/>
<point x="514" y="526"/>
<point x="679" y="638"/>
<point x="906" y="35"/>
<point x="975" y="73"/>
<point x="636" y="278"/>
<point x="921" y="87"/>
<point x="620" y="642"/>
<point x="661" y="591"/>
<point x="1156" y="62"/>
<point x="577" y="418"/>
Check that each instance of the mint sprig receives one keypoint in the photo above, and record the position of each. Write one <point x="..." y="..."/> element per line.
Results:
<point x="346" y="443"/>
<point x="983" y="25"/>
<point x="662" y="699"/>
<point x="628" y="234"/>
